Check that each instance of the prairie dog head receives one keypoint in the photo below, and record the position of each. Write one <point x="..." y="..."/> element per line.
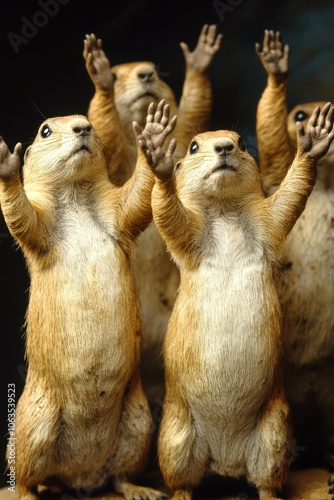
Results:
<point x="217" y="167"/>
<point x="65" y="150"/>
<point x="136" y="85"/>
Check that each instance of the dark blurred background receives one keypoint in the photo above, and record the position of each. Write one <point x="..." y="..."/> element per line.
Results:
<point x="43" y="75"/>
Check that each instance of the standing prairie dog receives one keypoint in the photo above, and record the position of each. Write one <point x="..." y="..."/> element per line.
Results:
<point x="83" y="417"/>
<point x="306" y="287"/>
<point x="225" y="409"/>
<point x="122" y="94"/>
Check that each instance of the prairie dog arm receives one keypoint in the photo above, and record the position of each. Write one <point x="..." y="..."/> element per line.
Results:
<point x="102" y="112"/>
<point x="275" y="152"/>
<point x="23" y="221"/>
<point x="136" y="192"/>
<point x="196" y="99"/>
<point x="289" y="201"/>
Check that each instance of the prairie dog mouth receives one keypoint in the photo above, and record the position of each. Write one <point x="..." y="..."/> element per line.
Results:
<point x="224" y="167"/>
<point x="82" y="148"/>
<point x="146" y="94"/>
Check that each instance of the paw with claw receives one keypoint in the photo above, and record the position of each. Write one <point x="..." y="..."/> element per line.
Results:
<point x="315" y="141"/>
<point x="9" y="162"/>
<point x="207" y="46"/>
<point x="273" y="55"/>
<point x="97" y="63"/>
<point x="151" y="139"/>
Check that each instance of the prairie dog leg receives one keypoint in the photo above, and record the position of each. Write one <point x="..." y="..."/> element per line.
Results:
<point x="135" y="432"/>
<point x="269" y="460"/>
<point x="28" y="493"/>
<point x="182" y="457"/>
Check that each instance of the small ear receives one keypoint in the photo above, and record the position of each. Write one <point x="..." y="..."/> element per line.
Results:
<point x="26" y="154"/>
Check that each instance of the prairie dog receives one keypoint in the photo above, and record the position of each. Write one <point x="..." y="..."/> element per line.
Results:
<point x="83" y="417"/>
<point x="122" y="93"/>
<point x="306" y="287"/>
<point x="225" y="410"/>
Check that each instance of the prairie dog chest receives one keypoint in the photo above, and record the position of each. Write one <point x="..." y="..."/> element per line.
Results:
<point x="83" y="237"/>
<point x="226" y="292"/>
<point x="87" y="255"/>
<point x="232" y="253"/>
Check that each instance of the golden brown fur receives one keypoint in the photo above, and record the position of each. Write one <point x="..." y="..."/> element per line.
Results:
<point x="306" y="288"/>
<point x="225" y="409"/>
<point x="83" y="417"/>
<point x="122" y="94"/>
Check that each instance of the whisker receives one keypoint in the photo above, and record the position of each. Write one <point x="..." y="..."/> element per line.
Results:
<point x="37" y="108"/>
<point x="235" y="125"/>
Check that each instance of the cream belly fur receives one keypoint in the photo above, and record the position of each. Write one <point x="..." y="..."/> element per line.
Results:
<point x="306" y="288"/>
<point x="225" y="409"/>
<point x="228" y="369"/>
<point x="122" y="94"/>
<point x="83" y="418"/>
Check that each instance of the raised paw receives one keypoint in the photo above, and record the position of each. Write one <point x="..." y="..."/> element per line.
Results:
<point x="157" y="126"/>
<point x="273" y="55"/>
<point x="319" y="134"/>
<point x="97" y="63"/>
<point x="207" y="46"/>
<point x="152" y="138"/>
<point x="9" y="162"/>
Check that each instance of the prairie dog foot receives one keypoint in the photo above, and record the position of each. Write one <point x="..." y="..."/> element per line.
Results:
<point x="134" y="492"/>
<point x="28" y="493"/>
<point x="265" y="494"/>
<point x="182" y="495"/>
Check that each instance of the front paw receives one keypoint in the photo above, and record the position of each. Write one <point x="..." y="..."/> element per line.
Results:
<point x="273" y="55"/>
<point x="9" y="162"/>
<point x="319" y="134"/>
<point x="152" y="138"/>
<point x="97" y="63"/>
<point x="207" y="46"/>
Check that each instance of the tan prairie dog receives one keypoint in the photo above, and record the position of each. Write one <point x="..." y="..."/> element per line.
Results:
<point x="122" y="94"/>
<point x="306" y="287"/>
<point x="225" y="410"/>
<point x="83" y="418"/>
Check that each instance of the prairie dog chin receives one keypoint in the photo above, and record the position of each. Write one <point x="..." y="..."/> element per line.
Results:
<point x="136" y="85"/>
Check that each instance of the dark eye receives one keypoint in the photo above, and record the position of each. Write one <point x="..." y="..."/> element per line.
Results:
<point x="241" y="144"/>
<point x="300" y="116"/>
<point x="193" y="148"/>
<point x="46" y="131"/>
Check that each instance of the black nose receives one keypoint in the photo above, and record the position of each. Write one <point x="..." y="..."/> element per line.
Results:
<point x="224" y="147"/>
<point x="146" y="76"/>
<point x="82" y="129"/>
